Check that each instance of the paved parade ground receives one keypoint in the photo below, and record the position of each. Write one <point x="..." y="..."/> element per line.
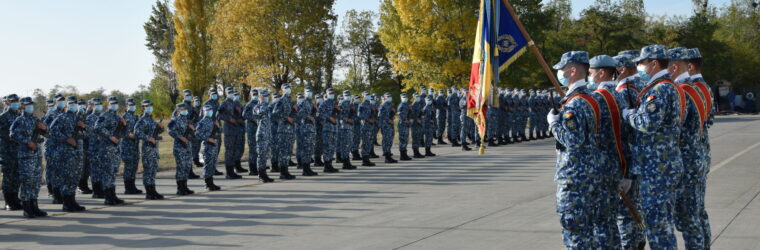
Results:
<point x="457" y="200"/>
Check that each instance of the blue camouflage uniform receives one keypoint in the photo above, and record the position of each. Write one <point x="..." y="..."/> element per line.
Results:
<point x="69" y="169"/>
<point x="657" y="157"/>
<point x="145" y="129"/>
<point x="92" y="143"/>
<point x="415" y="111"/>
<point x="230" y="112"/>
<point x="357" y="128"/>
<point x="385" y="121"/>
<point x="213" y="103"/>
<point x="107" y="152"/>
<point x="452" y="101"/>
<point x="428" y="123"/>
<point x="9" y="152"/>
<point x="29" y="160"/>
<point x="179" y="127"/>
<point x="305" y="127"/>
<point x="441" y="114"/>
<point x="465" y="131"/>
<point x="207" y="128"/>
<point x="327" y="116"/>
<point x="404" y="123"/>
<point x="318" y="144"/>
<point x="50" y="160"/>
<point x="283" y="115"/>
<point x="251" y="126"/>
<point x="345" y="134"/>
<point x="128" y="147"/>
<point x="368" y="123"/>
<point x="704" y="142"/>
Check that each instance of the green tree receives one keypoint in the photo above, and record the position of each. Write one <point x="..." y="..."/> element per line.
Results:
<point x="159" y="31"/>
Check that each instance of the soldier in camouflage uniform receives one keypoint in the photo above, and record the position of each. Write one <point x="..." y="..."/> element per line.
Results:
<point x="250" y="131"/>
<point x="230" y="112"/>
<point x="283" y="114"/>
<point x="658" y="158"/>
<point x="318" y="145"/>
<point x="375" y="111"/>
<point x="92" y="144"/>
<point x="274" y="158"/>
<point x="327" y="116"/>
<point x="641" y="78"/>
<point x="385" y="121"/>
<point x="213" y="102"/>
<point x="415" y="114"/>
<point x="695" y="70"/>
<point x="207" y="130"/>
<point x="345" y="128"/>
<point x="9" y="153"/>
<point x="50" y="166"/>
<point x="148" y="131"/>
<point x="130" y="154"/>
<point x="65" y="141"/>
<point x="506" y="110"/>
<point x="463" y="120"/>
<point x="441" y="115"/>
<point x="577" y="163"/>
<point x="305" y="131"/>
<point x="404" y="124"/>
<point x="492" y="125"/>
<point x="428" y="124"/>
<point x="367" y="124"/>
<point x="28" y="132"/>
<point x="193" y="107"/>
<point x="356" y="130"/>
<point x="452" y="102"/>
<point x="108" y="130"/>
<point x="181" y="130"/>
<point x="261" y="115"/>
<point x="85" y="109"/>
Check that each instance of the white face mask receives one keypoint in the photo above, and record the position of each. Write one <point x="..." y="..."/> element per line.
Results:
<point x="389" y="99"/>
<point x="330" y="96"/>
<point x="404" y="99"/>
<point x="131" y="108"/>
<point x="188" y="98"/>
<point x="561" y="78"/>
<point x="642" y="69"/>
<point x="209" y="113"/>
<point x="73" y="107"/>
<point x="309" y="94"/>
<point x="114" y="107"/>
<point x="98" y="108"/>
<point x="286" y="91"/>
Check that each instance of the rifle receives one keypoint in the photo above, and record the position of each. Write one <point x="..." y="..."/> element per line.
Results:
<point x="38" y="135"/>
<point x="121" y="129"/>
<point x="157" y="132"/>
<point x="214" y="133"/>
<point x="188" y="133"/>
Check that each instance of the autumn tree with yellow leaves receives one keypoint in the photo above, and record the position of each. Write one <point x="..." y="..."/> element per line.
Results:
<point x="192" y="55"/>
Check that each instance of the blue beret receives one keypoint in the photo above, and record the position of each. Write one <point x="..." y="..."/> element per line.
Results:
<point x="602" y="61"/>
<point x="572" y="57"/>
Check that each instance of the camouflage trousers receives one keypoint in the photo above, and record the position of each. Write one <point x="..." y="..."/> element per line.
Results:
<point x="418" y="136"/>
<point x="69" y="172"/>
<point x="328" y="145"/>
<point x="357" y="137"/>
<point x="387" y="141"/>
<point x="441" y="118"/>
<point x="210" y="156"/>
<point x="263" y="151"/>
<point x="195" y="148"/>
<point x="184" y="162"/>
<point x="10" y="172"/>
<point x="656" y="208"/>
<point x="232" y="143"/>
<point x="690" y="206"/>
<point x="252" y="151"/>
<point x="345" y="139"/>
<point x="367" y="140"/>
<point x="403" y="136"/>
<point x="576" y="209"/>
<point x="150" y="163"/>
<point x="304" y="151"/>
<point x="630" y="234"/>
<point x="428" y="132"/>
<point x="606" y="231"/>
<point x="107" y="160"/>
<point x="454" y="126"/>
<point x="30" y="177"/>
<point x="318" y="145"/>
<point x="285" y="142"/>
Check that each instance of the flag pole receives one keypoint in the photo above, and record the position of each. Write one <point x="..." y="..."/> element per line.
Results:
<point x="534" y="49"/>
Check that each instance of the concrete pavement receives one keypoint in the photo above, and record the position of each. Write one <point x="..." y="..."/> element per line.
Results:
<point x="457" y="200"/>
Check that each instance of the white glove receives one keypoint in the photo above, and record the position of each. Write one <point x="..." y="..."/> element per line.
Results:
<point x="627" y="112"/>
<point x="552" y="118"/>
<point x="624" y="185"/>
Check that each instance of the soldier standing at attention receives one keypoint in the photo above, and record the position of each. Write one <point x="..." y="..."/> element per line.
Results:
<point x="207" y="131"/>
<point x="657" y="126"/>
<point x="250" y="131"/>
<point x="452" y="102"/>
<point x="193" y="117"/>
<point x="577" y="168"/>
<point x="85" y="109"/>
<point x="148" y="131"/>
<point x="50" y="159"/>
<point x="227" y="114"/>
<point x="130" y="154"/>
<point x="385" y="120"/>
<point x="328" y="118"/>
<point x="415" y="113"/>
<point x="463" y="120"/>
<point x="404" y="124"/>
<point x="213" y="102"/>
<point x="283" y="114"/>
<point x="695" y="70"/>
<point x="305" y="131"/>
<point x="92" y="148"/>
<point x="441" y="115"/>
<point x="66" y="141"/>
<point x="319" y="145"/>
<point x="27" y="131"/>
<point x="428" y="124"/>
<point x="180" y="129"/>
<point x="108" y="132"/>
<point x="9" y="152"/>
<point x="345" y="135"/>
<point x="261" y="114"/>
<point x="368" y="123"/>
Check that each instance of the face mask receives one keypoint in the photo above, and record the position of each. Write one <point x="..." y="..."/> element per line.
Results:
<point x="286" y="91"/>
<point x="214" y="96"/>
<point x="372" y="102"/>
<point x="209" y="113"/>
<point x="50" y="109"/>
<point x="183" y="112"/>
<point x="266" y="99"/>
<point x="561" y="78"/>
<point x="82" y="108"/>
<point x="15" y="105"/>
<point x="148" y="110"/>
<point x="29" y="109"/>
<point x="98" y="108"/>
<point x="131" y="108"/>
<point x="429" y="102"/>
<point x="642" y="72"/>
<point x="230" y="96"/>
<point x="237" y="98"/>
<point x="114" y="107"/>
<point x="188" y="98"/>
<point x="388" y="99"/>
<point x="330" y="96"/>
<point x="73" y="107"/>
<point x="61" y="104"/>
<point x="196" y="104"/>
<point x="404" y="100"/>
<point x="309" y="95"/>
<point x="423" y="92"/>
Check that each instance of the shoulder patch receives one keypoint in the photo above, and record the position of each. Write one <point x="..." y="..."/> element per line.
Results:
<point x="651" y="107"/>
<point x="650" y="98"/>
<point x="568" y="115"/>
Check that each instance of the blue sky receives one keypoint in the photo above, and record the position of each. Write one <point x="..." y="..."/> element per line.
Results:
<point x="100" y="43"/>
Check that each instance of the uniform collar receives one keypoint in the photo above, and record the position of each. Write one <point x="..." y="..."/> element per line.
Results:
<point x="607" y="85"/>
<point x="696" y="76"/>
<point x="682" y="77"/>
<point x="662" y="73"/>
<point x="577" y="84"/>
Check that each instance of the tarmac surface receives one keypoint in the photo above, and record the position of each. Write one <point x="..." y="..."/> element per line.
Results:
<point x="457" y="200"/>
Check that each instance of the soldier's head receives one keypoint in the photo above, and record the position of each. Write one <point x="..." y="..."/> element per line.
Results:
<point x="429" y="100"/>
<point x="404" y="99"/>
<point x="131" y="106"/>
<point x="308" y="92"/>
<point x="113" y="103"/>
<point x="330" y="94"/>
<point x="319" y="98"/>
<point x="196" y="101"/>
<point x="625" y="66"/>
<point x="28" y="105"/>
<point x="346" y="93"/>
<point x="60" y="101"/>
<point x="652" y="59"/>
<point x="285" y="89"/>
<point x="208" y="111"/>
<point x="90" y="105"/>
<point x="82" y="105"/>
<point x="602" y="69"/>
<point x="677" y="61"/>
<point x="387" y="97"/>
<point x="230" y="93"/>
<point x="264" y="96"/>
<point x="366" y="95"/>
<point x="181" y="107"/>
<point x="572" y="67"/>
<point x="254" y="94"/>
<point x="236" y="94"/>
<point x="147" y="106"/>
<point x="299" y="97"/>
<point x="213" y="94"/>
<point x="12" y="102"/>
<point x="423" y="90"/>
<point x="187" y="95"/>
<point x="72" y="105"/>
<point x="50" y="104"/>
<point x="695" y="61"/>
<point x="355" y="98"/>
<point x="97" y="104"/>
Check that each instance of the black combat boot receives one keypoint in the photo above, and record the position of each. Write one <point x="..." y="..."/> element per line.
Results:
<point x="210" y="184"/>
<point x="97" y="190"/>
<point x="191" y="175"/>
<point x="111" y="198"/>
<point x="347" y="164"/>
<point x="300" y="164"/>
<point x="28" y="210"/>
<point x="455" y="143"/>
<point x="12" y="203"/>
<point x="307" y="170"/>
<point x="372" y="154"/>
<point x="522" y="136"/>
<point x="57" y="199"/>
<point x="318" y="161"/>
<point x="253" y="168"/>
<point x="217" y="172"/>
<point x="36" y="209"/>
<point x="389" y="158"/>
<point x="83" y="188"/>
<point x="275" y="167"/>
<point x="130" y="188"/>
<point x="285" y="174"/>
<point x="417" y="153"/>
<point x="70" y="204"/>
<point x="264" y="177"/>
<point x="180" y="188"/>
<point x="152" y="194"/>
<point x="465" y="147"/>
<point x="366" y="162"/>
<point x="491" y="142"/>
<point x="239" y="167"/>
<point x="428" y="152"/>
<point x="231" y="175"/>
<point x="329" y="168"/>
<point x="404" y="156"/>
<point x="197" y="162"/>
<point x="440" y="141"/>
<point x="355" y="155"/>
<point x="291" y="163"/>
